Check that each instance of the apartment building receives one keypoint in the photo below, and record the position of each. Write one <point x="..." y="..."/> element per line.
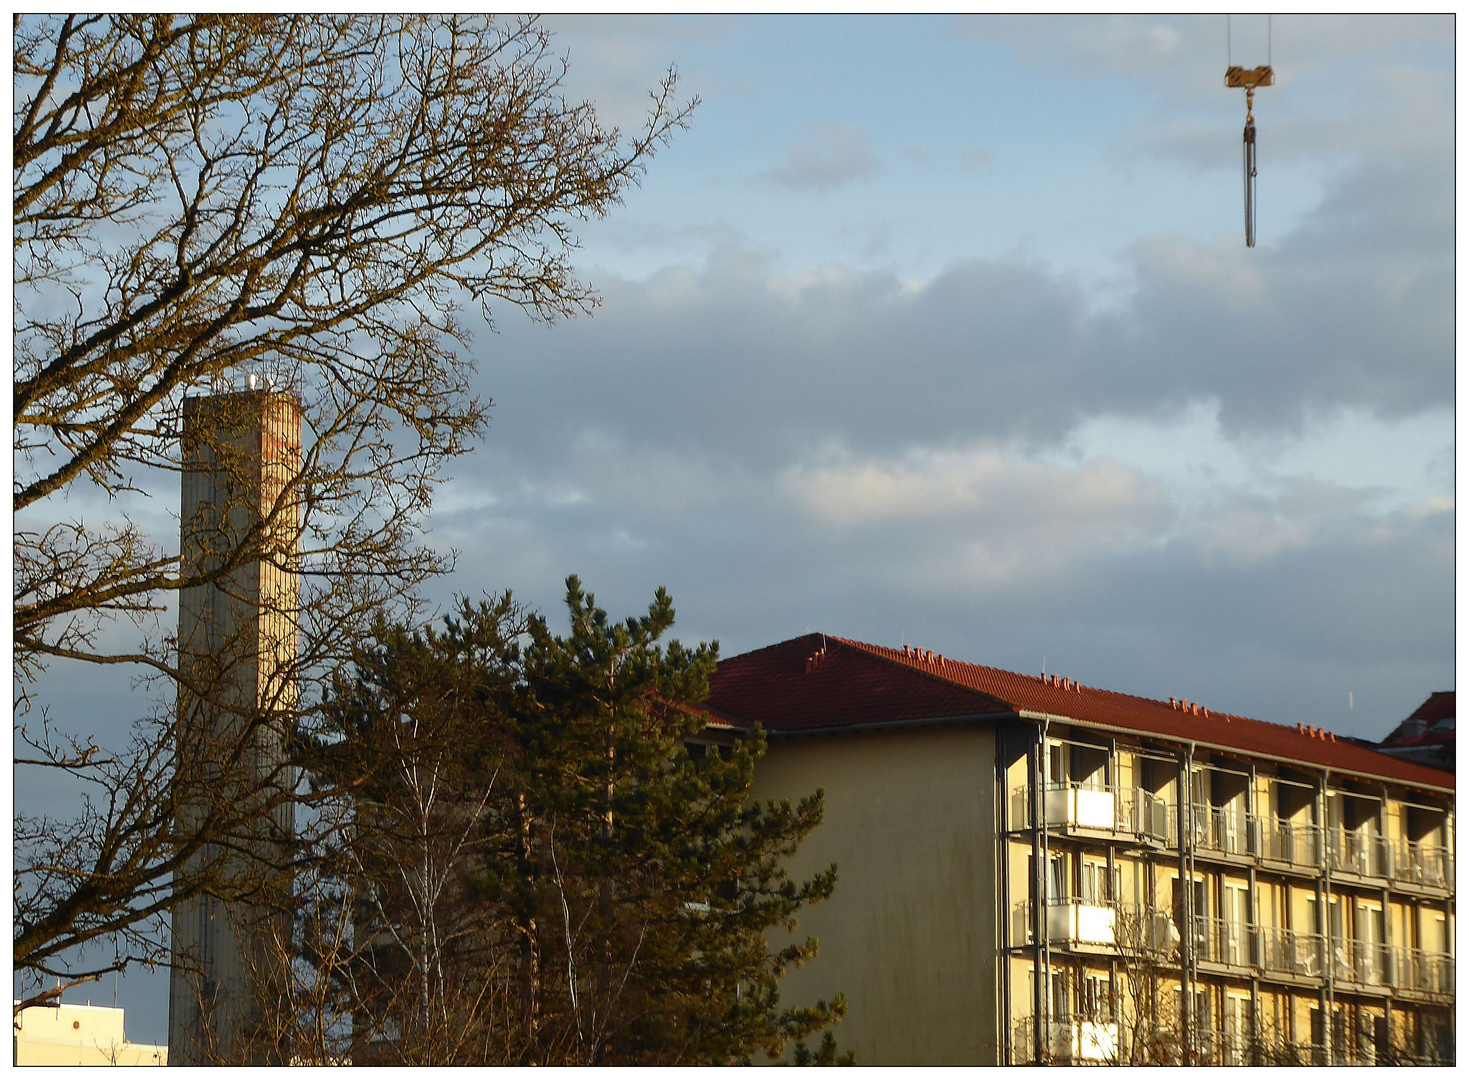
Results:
<point x="1035" y="871"/>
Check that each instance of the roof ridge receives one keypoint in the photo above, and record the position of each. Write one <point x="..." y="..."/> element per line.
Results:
<point x="876" y="652"/>
<point x="903" y="660"/>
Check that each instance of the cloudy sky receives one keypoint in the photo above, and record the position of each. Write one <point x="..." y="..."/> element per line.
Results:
<point x="943" y="331"/>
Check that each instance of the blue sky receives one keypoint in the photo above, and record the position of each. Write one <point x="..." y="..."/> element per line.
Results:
<point x="943" y="331"/>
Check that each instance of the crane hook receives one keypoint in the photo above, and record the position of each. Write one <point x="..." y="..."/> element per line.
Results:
<point x="1249" y="80"/>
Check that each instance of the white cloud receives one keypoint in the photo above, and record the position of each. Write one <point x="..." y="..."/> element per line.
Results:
<point x="991" y="518"/>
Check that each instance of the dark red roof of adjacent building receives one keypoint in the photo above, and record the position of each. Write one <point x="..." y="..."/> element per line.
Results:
<point x="1426" y="724"/>
<point x="1427" y="736"/>
<point x="818" y="683"/>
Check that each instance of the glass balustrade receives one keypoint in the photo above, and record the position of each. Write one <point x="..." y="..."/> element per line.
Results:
<point x="1065" y="1040"/>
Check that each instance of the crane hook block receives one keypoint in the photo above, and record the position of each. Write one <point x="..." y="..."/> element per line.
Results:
<point x="1249" y="78"/>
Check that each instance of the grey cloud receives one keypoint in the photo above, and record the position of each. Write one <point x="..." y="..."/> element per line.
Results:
<point x="1358" y="604"/>
<point x="839" y="154"/>
<point x="1354" y="308"/>
<point x="974" y="157"/>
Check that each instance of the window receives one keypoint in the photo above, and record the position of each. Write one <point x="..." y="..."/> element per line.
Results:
<point x="1095" y="997"/>
<point x="1239" y="1027"/>
<point x="1236" y="924"/>
<point x="1201" y="1017"/>
<point x="1097" y="886"/>
<point x="1056" y="770"/>
<point x="1057" y="889"/>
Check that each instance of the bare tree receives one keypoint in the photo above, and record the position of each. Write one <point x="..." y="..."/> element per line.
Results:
<point x="1149" y="1027"/>
<point x="310" y="201"/>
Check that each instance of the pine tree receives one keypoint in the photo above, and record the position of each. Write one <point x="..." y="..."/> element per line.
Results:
<point x="584" y="890"/>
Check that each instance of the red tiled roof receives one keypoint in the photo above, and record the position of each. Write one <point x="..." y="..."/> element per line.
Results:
<point x="1439" y="706"/>
<point x="820" y="683"/>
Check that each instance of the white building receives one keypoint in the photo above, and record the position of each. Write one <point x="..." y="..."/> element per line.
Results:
<point x="68" y="1034"/>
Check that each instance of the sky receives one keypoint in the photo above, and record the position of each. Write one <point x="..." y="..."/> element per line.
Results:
<point x="942" y="331"/>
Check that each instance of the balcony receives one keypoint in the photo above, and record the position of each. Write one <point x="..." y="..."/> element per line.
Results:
<point x="1145" y="815"/>
<point x="1360" y="853"/>
<point x="1074" y="806"/>
<point x="1066" y="1041"/>
<point x="1070" y="921"/>
<point x="1226" y="830"/>
<point x="1420" y="972"/>
<point x="1366" y="963"/>
<point x="1081" y="922"/>
<point x="1220" y="941"/>
<point x="1288" y="952"/>
<point x="1289" y="842"/>
<point x="1099" y="807"/>
<point x="1414" y="863"/>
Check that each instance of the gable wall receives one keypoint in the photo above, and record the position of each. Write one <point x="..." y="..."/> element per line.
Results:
<point x="909" y="935"/>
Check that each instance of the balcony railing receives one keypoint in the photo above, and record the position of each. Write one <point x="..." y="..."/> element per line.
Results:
<point x="1417" y="863"/>
<point x="1077" y="805"/>
<point x="1290" y="842"/>
<point x="1292" y="953"/>
<point x="1070" y="921"/>
<point x="1102" y="807"/>
<point x="1220" y="941"/>
<point x="1065" y="1040"/>
<point x="1230" y="831"/>
<point x="1420" y="971"/>
<point x="1224" y="829"/>
<point x="1363" y="854"/>
<point x="1367" y="963"/>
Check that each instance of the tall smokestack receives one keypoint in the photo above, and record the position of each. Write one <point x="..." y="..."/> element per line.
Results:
<point x="237" y="648"/>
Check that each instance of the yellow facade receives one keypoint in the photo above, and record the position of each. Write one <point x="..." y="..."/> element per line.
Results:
<point x="1221" y="928"/>
<point x="1195" y="906"/>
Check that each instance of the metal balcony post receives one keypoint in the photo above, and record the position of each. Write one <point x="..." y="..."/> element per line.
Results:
<point x="1037" y="890"/>
<point x="1186" y="886"/>
<point x="1324" y="860"/>
<point x="1006" y="924"/>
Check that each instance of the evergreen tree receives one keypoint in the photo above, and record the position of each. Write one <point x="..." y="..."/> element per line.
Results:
<point x="542" y="873"/>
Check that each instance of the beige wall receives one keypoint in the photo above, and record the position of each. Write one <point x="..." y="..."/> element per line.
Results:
<point x="909" y="935"/>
